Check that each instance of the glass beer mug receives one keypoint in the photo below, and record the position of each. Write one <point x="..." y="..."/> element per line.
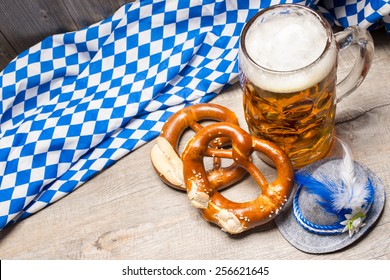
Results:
<point x="288" y="67"/>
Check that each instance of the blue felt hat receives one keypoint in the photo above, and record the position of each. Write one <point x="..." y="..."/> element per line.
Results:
<point x="334" y="203"/>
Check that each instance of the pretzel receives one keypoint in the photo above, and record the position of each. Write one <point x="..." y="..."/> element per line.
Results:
<point x="235" y="217"/>
<point x="166" y="159"/>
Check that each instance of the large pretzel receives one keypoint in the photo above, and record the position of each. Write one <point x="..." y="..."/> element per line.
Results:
<point x="166" y="159"/>
<point x="235" y="217"/>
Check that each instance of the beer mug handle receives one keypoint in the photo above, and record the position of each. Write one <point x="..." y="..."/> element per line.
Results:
<point x="362" y="38"/>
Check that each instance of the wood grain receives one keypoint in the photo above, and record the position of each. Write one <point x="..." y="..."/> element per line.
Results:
<point x="86" y="12"/>
<point x="7" y="53"/>
<point x="126" y="212"/>
<point x="25" y="23"/>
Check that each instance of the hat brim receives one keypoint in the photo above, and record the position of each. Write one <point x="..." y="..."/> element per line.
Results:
<point x="313" y="243"/>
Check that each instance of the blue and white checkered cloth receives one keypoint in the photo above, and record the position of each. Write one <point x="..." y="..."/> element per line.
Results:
<point x="77" y="102"/>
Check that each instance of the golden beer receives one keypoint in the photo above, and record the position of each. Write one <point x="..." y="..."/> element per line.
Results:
<point x="301" y="123"/>
<point x="287" y="69"/>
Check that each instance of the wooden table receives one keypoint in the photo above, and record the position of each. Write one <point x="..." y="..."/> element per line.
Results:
<point x="126" y="212"/>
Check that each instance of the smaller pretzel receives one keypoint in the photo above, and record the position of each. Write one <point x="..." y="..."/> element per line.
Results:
<point x="166" y="159"/>
<point x="235" y="217"/>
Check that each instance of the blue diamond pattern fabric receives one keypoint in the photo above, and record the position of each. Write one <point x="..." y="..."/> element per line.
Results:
<point x="75" y="103"/>
<point x="369" y="14"/>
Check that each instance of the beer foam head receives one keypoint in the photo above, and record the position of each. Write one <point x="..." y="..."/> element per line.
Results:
<point x="284" y="46"/>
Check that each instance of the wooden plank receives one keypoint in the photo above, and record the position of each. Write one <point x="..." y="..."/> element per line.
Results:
<point x="122" y="2"/>
<point x="25" y="23"/>
<point x="86" y="12"/>
<point x="7" y="53"/>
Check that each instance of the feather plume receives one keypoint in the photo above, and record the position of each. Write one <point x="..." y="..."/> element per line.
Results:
<point x="353" y="193"/>
<point x="323" y="190"/>
<point x="339" y="193"/>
